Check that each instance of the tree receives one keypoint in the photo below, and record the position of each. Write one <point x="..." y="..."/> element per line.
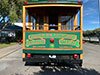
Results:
<point x="10" y="11"/>
<point x="97" y="33"/>
<point x="92" y="33"/>
<point x="88" y="34"/>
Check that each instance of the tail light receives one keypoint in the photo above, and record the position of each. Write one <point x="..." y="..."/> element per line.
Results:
<point x="52" y="40"/>
<point x="75" y="56"/>
<point x="29" y="55"/>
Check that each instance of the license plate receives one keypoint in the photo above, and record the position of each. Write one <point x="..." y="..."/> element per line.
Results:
<point x="52" y="56"/>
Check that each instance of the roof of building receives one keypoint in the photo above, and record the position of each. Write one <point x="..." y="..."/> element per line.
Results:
<point x="11" y="27"/>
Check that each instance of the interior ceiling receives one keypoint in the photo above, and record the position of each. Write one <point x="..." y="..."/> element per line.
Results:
<point x="45" y="11"/>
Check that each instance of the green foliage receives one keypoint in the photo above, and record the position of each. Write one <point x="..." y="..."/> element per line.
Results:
<point x="4" y="8"/>
<point x="88" y="33"/>
<point x="11" y="9"/>
<point x="97" y="30"/>
<point x="92" y="33"/>
<point x="4" y="45"/>
<point x="13" y="16"/>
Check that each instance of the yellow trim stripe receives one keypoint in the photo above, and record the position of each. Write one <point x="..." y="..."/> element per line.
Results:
<point x="81" y="56"/>
<point x="50" y="5"/>
<point x="23" y="55"/>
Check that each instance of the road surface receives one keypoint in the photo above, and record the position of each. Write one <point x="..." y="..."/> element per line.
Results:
<point x="11" y="63"/>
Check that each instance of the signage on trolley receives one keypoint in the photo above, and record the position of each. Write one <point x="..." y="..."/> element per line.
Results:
<point x="37" y="40"/>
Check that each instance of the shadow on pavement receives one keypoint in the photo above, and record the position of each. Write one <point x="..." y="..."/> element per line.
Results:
<point x="67" y="71"/>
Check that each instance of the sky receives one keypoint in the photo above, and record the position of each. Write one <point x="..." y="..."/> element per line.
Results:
<point x="91" y="14"/>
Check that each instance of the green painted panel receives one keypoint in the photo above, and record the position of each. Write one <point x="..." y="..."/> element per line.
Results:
<point x="53" y="51"/>
<point x="61" y="39"/>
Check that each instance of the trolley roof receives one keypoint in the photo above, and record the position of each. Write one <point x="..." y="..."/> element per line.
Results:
<point x="54" y="1"/>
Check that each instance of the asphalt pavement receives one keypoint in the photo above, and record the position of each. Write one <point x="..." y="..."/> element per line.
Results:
<point x="11" y="63"/>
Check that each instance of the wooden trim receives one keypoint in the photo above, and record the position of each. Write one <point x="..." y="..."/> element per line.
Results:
<point x="23" y="40"/>
<point x="52" y="48"/>
<point x="81" y="25"/>
<point x="81" y="56"/>
<point x="46" y="27"/>
<point x="59" y="26"/>
<point x="50" y="5"/>
<point x="24" y="18"/>
<point x="52" y="31"/>
<point x="37" y="26"/>
<point x="23" y="55"/>
<point x="81" y="17"/>
<point x="24" y="25"/>
<point x="75" y="21"/>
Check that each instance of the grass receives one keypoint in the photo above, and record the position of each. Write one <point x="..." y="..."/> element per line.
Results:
<point x="3" y="45"/>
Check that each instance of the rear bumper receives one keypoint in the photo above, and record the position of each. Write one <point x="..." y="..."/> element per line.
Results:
<point x="51" y="61"/>
<point x="41" y="57"/>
